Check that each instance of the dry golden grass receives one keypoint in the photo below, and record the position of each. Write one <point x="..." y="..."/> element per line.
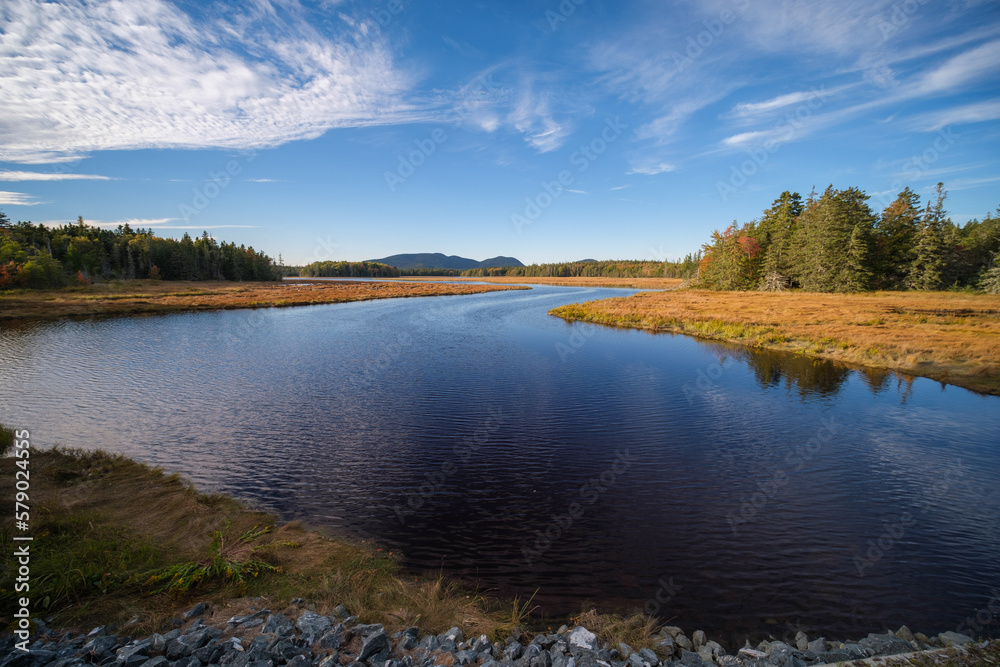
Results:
<point x="101" y="523"/>
<point x="150" y="296"/>
<point x="638" y="283"/>
<point x="950" y="337"/>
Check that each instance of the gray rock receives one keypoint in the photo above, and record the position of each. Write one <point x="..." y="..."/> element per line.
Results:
<point x="952" y="638"/>
<point x="332" y="660"/>
<point x="196" y="610"/>
<point x="705" y="654"/>
<point x="817" y="645"/>
<point x="802" y="641"/>
<point x="209" y="654"/>
<point x="583" y="638"/>
<point x="99" y="648"/>
<point x="278" y="624"/>
<point x="779" y="652"/>
<point x="312" y="625"/>
<point x="261" y="663"/>
<point x="885" y="644"/>
<point x="455" y="634"/>
<point x="543" y="659"/>
<point x="698" y="639"/>
<point x="189" y="661"/>
<point x="905" y="634"/>
<point x="157" y="645"/>
<point x="250" y="620"/>
<point x="752" y="653"/>
<point x="513" y="651"/>
<point x="728" y="661"/>
<point x="671" y="630"/>
<point x="299" y="661"/>
<point x="177" y="649"/>
<point x="429" y="643"/>
<point x="560" y="661"/>
<point x="683" y="642"/>
<point x="856" y="651"/>
<point x="716" y="647"/>
<point x="373" y="644"/>
<point x="665" y="646"/>
<point x="340" y="611"/>
<point x="367" y="629"/>
<point x="234" y="659"/>
<point x="690" y="658"/>
<point x="649" y="657"/>
<point x="837" y="655"/>
<point x="465" y="657"/>
<point x="407" y="643"/>
<point x="332" y="638"/>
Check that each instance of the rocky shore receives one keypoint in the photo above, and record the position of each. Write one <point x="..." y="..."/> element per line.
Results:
<point x="302" y="638"/>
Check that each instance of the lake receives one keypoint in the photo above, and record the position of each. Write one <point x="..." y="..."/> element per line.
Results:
<point x="732" y="491"/>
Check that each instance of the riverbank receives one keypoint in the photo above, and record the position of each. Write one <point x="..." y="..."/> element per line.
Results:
<point x="953" y="338"/>
<point x="133" y="550"/>
<point x="141" y="297"/>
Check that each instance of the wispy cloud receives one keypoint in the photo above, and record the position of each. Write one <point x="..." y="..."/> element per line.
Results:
<point x="651" y="169"/>
<point x="18" y="199"/>
<point x="41" y="176"/>
<point x="264" y="180"/>
<point x="976" y="112"/>
<point x="90" y="76"/>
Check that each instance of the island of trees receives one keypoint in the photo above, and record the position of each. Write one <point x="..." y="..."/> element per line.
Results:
<point x="36" y="256"/>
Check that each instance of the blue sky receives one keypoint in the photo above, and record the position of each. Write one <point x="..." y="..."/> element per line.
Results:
<point x="547" y="130"/>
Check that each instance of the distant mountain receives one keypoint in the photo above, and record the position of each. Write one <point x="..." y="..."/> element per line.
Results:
<point x="436" y="260"/>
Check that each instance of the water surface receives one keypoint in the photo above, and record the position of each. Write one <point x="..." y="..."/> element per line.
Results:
<point x="731" y="491"/>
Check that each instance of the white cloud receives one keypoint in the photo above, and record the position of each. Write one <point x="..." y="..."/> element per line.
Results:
<point x="134" y="223"/>
<point x="17" y="199"/>
<point x="982" y="61"/>
<point x="264" y="180"/>
<point x="651" y="169"/>
<point x="579" y="192"/>
<point x="88" y="76"/>
<point x="40" y="176"/>
<point x="752" y="108"/>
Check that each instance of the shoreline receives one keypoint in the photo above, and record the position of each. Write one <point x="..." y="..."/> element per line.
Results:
<point x="148" y="297"/>
<point x="951" y="338"/>
<point x="123" y="504"/>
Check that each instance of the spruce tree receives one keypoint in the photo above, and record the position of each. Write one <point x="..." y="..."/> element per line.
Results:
<point x="927" y="267"/>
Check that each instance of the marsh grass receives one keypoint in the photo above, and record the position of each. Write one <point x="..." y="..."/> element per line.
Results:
<point x="147" y="296"/>
<point x="952" y="337"/>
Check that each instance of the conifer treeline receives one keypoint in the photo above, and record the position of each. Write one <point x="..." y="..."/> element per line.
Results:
<point x="837" y="243"/>
<point x="37" y="256"/>
<point x="348" y="270"/>
<point x="684" y="268"/>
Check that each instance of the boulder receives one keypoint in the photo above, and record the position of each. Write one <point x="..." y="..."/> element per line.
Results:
<point x="952" y="638"/>
<point x="583" y="638"/>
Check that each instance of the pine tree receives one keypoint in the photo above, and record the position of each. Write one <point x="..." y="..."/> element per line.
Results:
<point x="927" y="267"/>
<point x="895" y="239"/>
<point x="775" y="231"/>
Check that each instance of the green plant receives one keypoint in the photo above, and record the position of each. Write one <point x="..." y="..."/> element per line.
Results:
<point x="228" y="560"/>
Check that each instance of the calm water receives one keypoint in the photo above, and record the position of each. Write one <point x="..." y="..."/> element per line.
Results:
<point x="729" y="491"/>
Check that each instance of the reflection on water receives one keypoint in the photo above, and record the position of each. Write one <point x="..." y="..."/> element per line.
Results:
<point x="807" y="375"/>
<point x="732" y="490"/>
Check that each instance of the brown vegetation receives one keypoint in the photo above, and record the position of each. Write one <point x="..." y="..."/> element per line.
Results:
<point x="153" y="296"/>
<point x="950" y="337"/>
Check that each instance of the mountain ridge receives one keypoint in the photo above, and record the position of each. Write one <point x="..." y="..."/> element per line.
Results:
<point x="437" y="260"/>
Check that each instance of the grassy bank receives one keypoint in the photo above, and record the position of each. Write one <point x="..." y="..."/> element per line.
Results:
<point x="950" y="337"/>
<point x="152" y="296"/>
<point x="118" y="542"/>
